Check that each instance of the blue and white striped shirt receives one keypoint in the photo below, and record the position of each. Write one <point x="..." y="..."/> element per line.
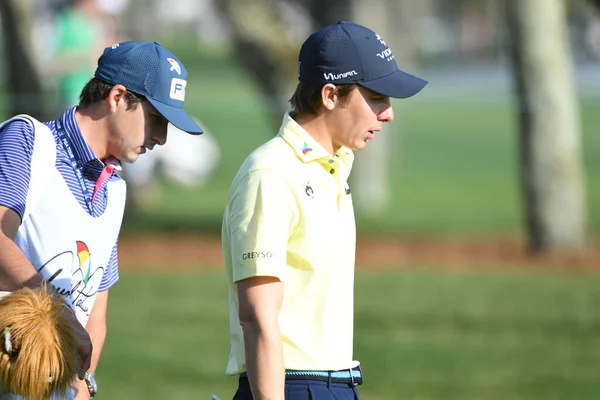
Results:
<point x="16" y="149"/>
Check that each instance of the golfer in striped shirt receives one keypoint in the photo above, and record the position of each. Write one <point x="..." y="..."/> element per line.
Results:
<point x="61" y="197"/>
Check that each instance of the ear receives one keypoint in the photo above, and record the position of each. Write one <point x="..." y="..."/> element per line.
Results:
<point x="116" y="96"/>
<point x="329" y="96"/>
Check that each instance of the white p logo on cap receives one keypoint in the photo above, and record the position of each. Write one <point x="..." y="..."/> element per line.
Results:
<point x="177" y="89"/>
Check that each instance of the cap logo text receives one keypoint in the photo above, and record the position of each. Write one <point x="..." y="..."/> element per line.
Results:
<point x="174" y="66"/>
<point x="387" y="53"/>
<point x="332" y="77"/>
<point x="177" y="89"/>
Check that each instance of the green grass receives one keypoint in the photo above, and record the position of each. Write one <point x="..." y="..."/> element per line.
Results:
<point x="422" y="334"/>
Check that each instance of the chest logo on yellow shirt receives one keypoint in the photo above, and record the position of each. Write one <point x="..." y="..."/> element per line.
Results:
<point x="309" y="191"/>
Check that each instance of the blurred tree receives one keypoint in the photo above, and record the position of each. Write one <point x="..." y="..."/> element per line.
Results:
<point x="266" y="43"/>
<point x="327" y="12"/>
<point x="552" y="176"/>
<point x="24" y="81"/>
<point x="266" y="47"/>
<point x="596" y="3"/>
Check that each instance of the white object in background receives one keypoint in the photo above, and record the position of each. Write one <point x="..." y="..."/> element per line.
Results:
<point x="187" y="160"/>
<point x="114" y="7"/>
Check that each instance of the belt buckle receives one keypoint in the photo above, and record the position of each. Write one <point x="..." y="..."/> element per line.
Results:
<point x="352" y="378"/>
<point x="360" y="372"/>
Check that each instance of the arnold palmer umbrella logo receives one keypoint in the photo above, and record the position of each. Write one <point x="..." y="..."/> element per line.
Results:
<point x="74" y="275"/>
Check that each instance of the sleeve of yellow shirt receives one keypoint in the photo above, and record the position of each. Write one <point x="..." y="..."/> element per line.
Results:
<point x="262" y="213"/>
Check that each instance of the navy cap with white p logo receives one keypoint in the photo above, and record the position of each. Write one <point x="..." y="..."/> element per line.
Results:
<point x="347" y="53"/>
<point x="149" y="70"/>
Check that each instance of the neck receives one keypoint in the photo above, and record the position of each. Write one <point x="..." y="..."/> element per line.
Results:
<point x="316" y="126"/>
<point x="93" y="129"/>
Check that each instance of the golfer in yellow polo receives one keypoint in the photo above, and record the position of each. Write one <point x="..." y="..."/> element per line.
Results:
<point x="288" y="231"/>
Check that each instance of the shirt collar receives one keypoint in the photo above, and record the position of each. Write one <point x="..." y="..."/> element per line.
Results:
<point x="81" y="149"/>
<point x="305" y="146"/>
<point x="113" y="162"/>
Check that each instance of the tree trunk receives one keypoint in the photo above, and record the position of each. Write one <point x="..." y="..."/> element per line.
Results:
<point x="596" y="3"/>
<point x="266" y="48"/>
<point x="24" y="82"/>
<point x="329" y="12"/>
<point x="551" y="169"/>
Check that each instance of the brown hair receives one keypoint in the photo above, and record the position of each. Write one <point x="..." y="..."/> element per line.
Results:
<point x="38" y="348"/>
<point x="97" y="90"/>
<point x="307" y="97"/>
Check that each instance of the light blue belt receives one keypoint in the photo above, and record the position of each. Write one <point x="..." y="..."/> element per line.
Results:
<point x="353" y="376"/>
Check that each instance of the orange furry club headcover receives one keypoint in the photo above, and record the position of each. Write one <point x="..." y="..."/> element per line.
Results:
<point x="38" y="354"/>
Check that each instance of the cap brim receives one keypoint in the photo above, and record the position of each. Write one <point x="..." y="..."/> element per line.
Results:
<point x="177" y="117"/>
<point x="399" y="85"/>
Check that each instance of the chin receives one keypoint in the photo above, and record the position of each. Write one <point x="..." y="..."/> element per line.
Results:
<point x="130" y="158"/>
<point x="359" y="145"/>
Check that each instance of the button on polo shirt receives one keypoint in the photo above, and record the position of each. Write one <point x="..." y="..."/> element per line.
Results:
<point x="290" y="216"/>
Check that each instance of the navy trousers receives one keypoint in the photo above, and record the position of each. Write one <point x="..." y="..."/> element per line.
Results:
<point x="305" y="390"/>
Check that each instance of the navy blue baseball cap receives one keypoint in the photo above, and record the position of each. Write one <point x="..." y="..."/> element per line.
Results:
<point x="347" y="53"/>
<point x="149" y="70"/>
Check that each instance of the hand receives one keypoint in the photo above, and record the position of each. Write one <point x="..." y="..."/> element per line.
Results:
<point x="84" y="347"/>
<point x="81" y="390"/>
<point x="84" y="344"/>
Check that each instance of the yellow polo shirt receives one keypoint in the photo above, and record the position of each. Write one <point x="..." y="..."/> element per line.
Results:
<point x="290" y="216"/>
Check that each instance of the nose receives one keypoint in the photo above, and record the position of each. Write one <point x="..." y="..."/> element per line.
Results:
<point x="386" y="115"/>
<point x="161" y="137"/>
